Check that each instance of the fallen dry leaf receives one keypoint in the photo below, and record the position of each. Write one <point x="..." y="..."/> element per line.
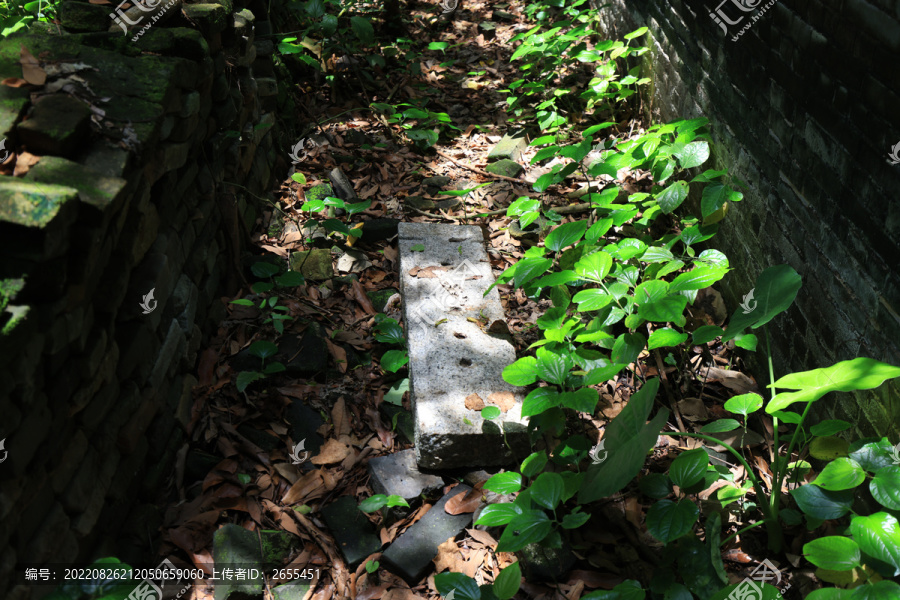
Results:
<point x="482" y="536"/>
<point x="505" y="400"/>
<point x="14" y="82"/>
<point x="733" y="380"/>
<point x="448" y="558"/>
<point x="474" y="402"/>
<point x="31" y="68"/>
<point x="401" y="594"/>
<point x="302" y="488"/>
<point x="463" y="503"/>
<point x="333" y="451"/>
<point x="340" y="418"/>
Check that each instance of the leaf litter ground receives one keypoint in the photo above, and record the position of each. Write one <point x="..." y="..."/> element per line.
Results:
<point x="260" y="489"/>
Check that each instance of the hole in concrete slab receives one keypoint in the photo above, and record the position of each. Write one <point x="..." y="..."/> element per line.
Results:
<point x="465" y="362"/>
<point x="445" y="263"/>
<point x="459" y="335"/>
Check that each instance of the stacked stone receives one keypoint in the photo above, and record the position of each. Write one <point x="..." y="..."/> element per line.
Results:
<point x="128" y="196"/>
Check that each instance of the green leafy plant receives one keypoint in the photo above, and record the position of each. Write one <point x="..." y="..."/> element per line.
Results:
<point x="505" y="586"/>
<point x="261" y="349"/>
<point x="423" y="127"/>
<point x="274" y="278"/>
<point x="379" y="501"/>
<point x="17" y="14"/>
<point x="388" y="331"/>
<point x="112" y="588"/>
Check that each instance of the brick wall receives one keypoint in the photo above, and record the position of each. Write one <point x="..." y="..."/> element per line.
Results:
<point x="130" y="194"/>
<point x="803" y="107"/>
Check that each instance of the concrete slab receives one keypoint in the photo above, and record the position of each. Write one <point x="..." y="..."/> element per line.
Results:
<point x="353" y="532"/>
<point x="398" y="474"/>
<point x="411" y="554"/>
<point x="444" y="272"/>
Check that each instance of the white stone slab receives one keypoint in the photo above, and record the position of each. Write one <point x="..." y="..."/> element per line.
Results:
<point x="451" y="357"/>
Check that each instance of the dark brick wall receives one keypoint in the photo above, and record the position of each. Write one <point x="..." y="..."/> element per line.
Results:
<point x="805" y="107"/>
<point x="95" y="396"/>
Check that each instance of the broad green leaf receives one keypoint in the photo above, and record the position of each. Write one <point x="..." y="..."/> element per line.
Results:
<point x="522" y="372"/>
<point x="662" y="338"/>
<point x="508" y="582"/>
<point x="262" y="349"/>
<point x="463" y="587"/>
<point x="822" y="504"/>
<point x="628" y="438"/>
<point x="245" y="378"/>
<point x="885" y="487"/>
<point x="829" y="427"/>
<point x="849" y="375"/>
<point x="707" y="333"/>
<point x="668" y="309"/>
<point x="373" y="503"/>
<point x="575" y="520"/>
<point x="715" y="195"/>
<point x="655" y="254"/>
<point x="394" y="360"/>
<point x="878" y="536"/>
<point x="395" y="394"/>
<point x="873" y="456"/>
<point x="598" y="230"/>
<point x="363" y="30"/>
<point x="744" y="404"/>
<point x="263" y="269"/>
<point x="547" y="490"/>
<point x="627" y="590"/>
<point x="290" y="279"/>
<point x="529" y="268"/>
<point x="693" y="155"/>
<point x="627" y="348"/>
<point x="882" y="590"/>
<point x="551" y="366"/>
<point x="833" y="552"/>
<point x="539" y="400"/>
<point x="528" y="528"/>
<point x="828" y="448"/>
<point x="555" y="279"/>
<point x="582" y="400"/>
<point x="534" y="464"/>
<point x="504" y="483"/>
<point x="490" y="412"/>
<point x="748" y="341"/>
<point x="720" y="426"/>
<point x="565" y="235"/>
<point x="671" y="198"/>
<point x="594" y="266"/>
<point x="775" y="290"/>
<point x="636" y="33"/>
<point x="498" y="514"/>
<point x="592" y="299"/>
<point x="699" y="278"/>
<point x="667" y="521"/>
<point x="689" y="468"/>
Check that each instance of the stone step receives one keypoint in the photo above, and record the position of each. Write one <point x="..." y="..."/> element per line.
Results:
<point x="410" y="555"/>
<point x="444" y="272"/>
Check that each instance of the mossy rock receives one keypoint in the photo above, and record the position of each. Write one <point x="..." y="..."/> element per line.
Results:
<point x="505" y="167"/>
<point x="379" y="298"/>
<point x="313" y="264"/>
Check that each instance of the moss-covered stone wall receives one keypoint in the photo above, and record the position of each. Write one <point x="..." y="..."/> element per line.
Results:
<point x="129" y="169"/>
<point x="801" y="98"/>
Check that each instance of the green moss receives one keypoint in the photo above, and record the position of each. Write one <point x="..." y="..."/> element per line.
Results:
<point x="30" y="204"/>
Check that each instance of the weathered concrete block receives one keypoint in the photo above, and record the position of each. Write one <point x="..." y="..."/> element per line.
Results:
<point x="352" y="531"/>
<point x="509" y="147"/>
<point x="450" y="358"/>
<point x="398" y="474"/>
<point x="411" y="554"/>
